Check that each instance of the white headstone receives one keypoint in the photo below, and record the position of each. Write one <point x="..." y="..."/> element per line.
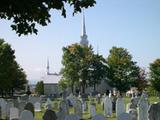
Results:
<point x="26" y="115"/>
<point x="107" y="106"/>
<point x="14" y="113"/>
<point x="37" y="107"/>
<point x="120" y="106"/>
<point x="124" y="116"/>
<point x="99" y="117"/>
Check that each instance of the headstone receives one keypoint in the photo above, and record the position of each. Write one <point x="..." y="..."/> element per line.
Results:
<point x="63" y="110"/>
<point x="49" y="102"/>
<point x="84" y="106"/>
<point x="108" y="106"/>
<point x="72" y="117"/>
<point x="154" y="111"/>
<point x="14" y="114"/>
<point x="20" y="106"/>
<point x="92" y="110"/>
<point x="78" y="108"/>
<point x="37" y="107"/>
<point x="133" y="113"/>
<point x="99" y="117"/>
<point x="143" y="108"/>
<point x="120" y="106"/>
<point x="33" y="99"/>
<point x="3" y="104"/>
<point x="26" y="115"/>
<point x="29" y="106"/>
<point x="124" y="116"/>
<point x="49" y="115"/>
<point x="8" y="106"/>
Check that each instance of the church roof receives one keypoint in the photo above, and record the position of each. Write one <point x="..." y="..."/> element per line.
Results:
<point x="52" y="79"/>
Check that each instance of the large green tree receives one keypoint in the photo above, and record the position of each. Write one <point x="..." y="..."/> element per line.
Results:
<point x="25" y="14"/>
<point x="12" y="76"/>
<point x="76" y="60"/>
<point x="155" y="74"/>
<point x="123" y="72"/>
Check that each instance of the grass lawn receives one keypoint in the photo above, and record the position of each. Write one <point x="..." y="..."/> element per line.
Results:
<point x="86" y="115"/>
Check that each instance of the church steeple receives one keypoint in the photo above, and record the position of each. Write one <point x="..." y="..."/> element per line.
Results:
<point x="84" y="40"/>
<point x="48" y="66"/>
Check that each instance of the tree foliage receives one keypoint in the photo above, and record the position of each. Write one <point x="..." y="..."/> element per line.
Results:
<point x="75" y="62"/>
<point x="12" y="76"/>
<point x="155" y="74"/>
<point x="123" y="72"/>
<point x="82" y="68"/>
<point x="27" y="13"/>
<point x="98" y="70"/>
<point x="40" y="88"/>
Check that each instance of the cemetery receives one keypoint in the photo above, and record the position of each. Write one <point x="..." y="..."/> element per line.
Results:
<point x="74" y="107"/>
<point x="114" y="76"/>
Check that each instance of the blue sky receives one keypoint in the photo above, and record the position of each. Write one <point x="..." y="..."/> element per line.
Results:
<point x="132" y="24"/>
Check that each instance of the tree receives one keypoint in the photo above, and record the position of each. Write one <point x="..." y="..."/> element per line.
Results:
<point x="27" y="13"/>
<point x="123" y="72"/>
<point x="155" y="74"/>
<point x="76" y="62"/>
<point x="98" y="70"/>
<point x="12" y="76"/>
<point x="40" y="88"/>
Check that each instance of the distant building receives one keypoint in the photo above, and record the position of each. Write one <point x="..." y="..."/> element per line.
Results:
<point x="51" y="81"/>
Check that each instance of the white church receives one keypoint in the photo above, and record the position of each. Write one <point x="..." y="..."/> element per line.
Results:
<point x="51" y="80"/>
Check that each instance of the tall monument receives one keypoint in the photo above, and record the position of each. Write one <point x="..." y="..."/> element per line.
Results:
<point x="84" y="41"/>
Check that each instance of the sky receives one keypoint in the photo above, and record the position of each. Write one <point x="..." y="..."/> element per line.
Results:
<point x="131" y="24"/>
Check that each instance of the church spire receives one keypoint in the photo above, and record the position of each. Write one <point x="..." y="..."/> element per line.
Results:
<point x="47" y="66"/>
<point x="84" y="40"/>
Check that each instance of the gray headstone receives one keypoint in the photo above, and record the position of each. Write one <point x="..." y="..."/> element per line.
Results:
<point x="133" y="113"/>
<point x="78" y="108"/>
<point x="3" y="104"/>
<point x="99" y="117"/>
<point x="33" y="99"/>
<point x="107" y="106"/>
<point x="124" y="116"/>
<point x="154" y="111"/>
<point x="120" y="106"/>
<point x="92" y="110"/>
<point x="26" y="115"/>
<point x="63" y="110"/>
<point x="143" y="107"/>
<point x="72" y="117"/>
